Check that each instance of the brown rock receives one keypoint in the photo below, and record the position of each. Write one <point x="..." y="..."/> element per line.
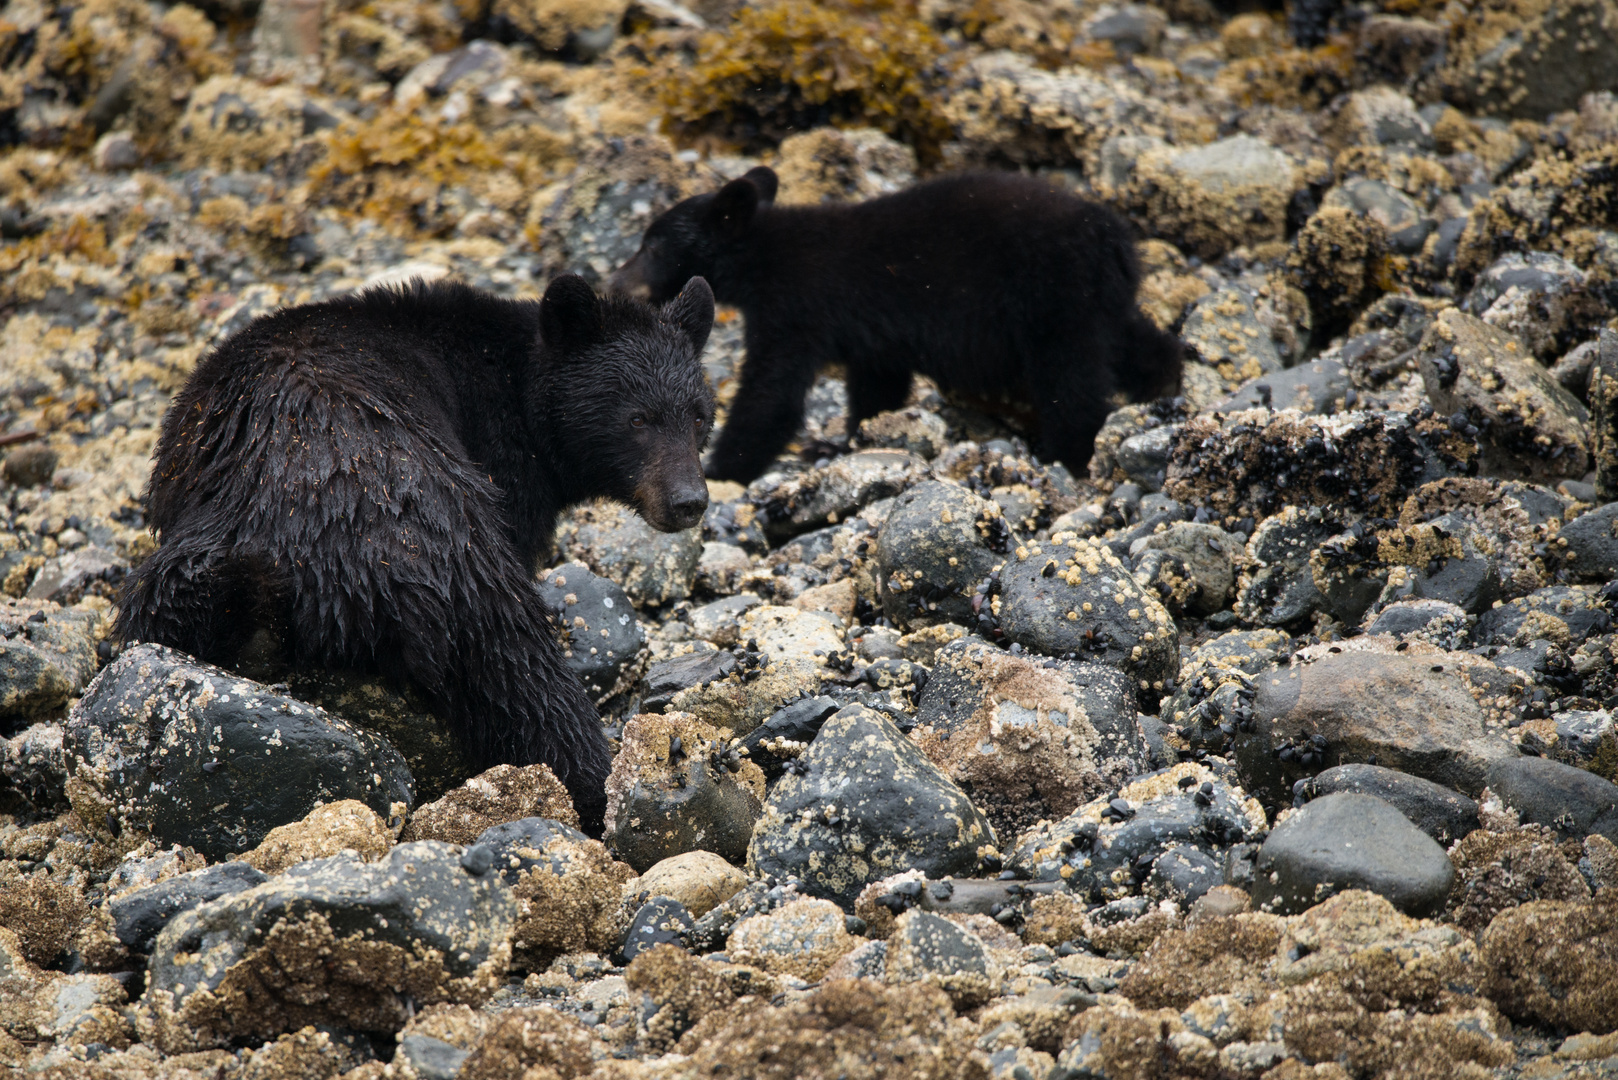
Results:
<point x="533" y="1041"/>
<point x="567" y="903"/>
<point x="1551" y="962"/>
<point x="503" y="793"/>
<point x="682" y="989"/>
<point x="1499" y="870"/>
<point x="325" y="831"/>
<point x="700" y="880"/>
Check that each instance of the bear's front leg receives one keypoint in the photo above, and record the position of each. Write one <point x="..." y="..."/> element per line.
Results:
<point x="766" y="414"/>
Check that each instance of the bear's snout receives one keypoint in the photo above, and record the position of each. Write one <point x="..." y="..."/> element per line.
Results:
<point x="628" y="280"/>
<point x="672" y="494"/>
<point x="686" y="506"/>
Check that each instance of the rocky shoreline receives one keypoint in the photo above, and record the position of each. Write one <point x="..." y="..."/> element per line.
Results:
<point x="1279" y="745"/>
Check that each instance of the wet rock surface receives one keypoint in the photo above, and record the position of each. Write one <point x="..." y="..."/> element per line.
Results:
<point x="864" y="803"/>
<point x="1024" y="738"/>
<point x="439" y="931"/>
<point x="919" y="822"/>
<point x="237" y="759"/>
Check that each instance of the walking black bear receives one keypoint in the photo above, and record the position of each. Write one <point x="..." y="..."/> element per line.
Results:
<point x="373" y="477"/>
<point x="994" y="285"/>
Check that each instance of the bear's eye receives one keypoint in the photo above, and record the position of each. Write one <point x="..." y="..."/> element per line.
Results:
<point x="637" y="421"/>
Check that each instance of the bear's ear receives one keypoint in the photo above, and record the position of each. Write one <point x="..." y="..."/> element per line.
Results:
<point x="569" y="315"/>
<point x="764" y="178"/>
<point x="692" y="312"/>
<point x="735" y="204"/>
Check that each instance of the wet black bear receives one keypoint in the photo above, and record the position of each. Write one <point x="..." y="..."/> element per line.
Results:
<point x="373" y="477"/>
<point x="994" y="285"/>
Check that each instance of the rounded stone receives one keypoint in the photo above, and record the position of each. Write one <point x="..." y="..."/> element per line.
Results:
<point x="940" y="541"/>
<point x="1077" y="598"/>
<point x="700" y="880"/>
<point x="1346" y="841"/>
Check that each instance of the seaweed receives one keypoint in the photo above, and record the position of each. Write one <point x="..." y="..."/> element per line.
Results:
<point x="784" y="67"/>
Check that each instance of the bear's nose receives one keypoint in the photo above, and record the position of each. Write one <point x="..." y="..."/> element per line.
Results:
<point x="687" y="506"/>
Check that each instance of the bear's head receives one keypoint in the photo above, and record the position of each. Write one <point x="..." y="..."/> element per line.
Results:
<point x="628" y="406"/>
<point x="692" y="239"/>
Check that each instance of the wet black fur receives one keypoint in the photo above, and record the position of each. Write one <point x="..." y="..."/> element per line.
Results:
<point x="994" y="285"/>
<point x="373" y="478"/>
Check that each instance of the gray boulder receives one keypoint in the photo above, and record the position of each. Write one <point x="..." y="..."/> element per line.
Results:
<point x="191" y="754"/>
<point x="1574" y="802"/>
<point x="861" y="804"/>
<point x="139" y="915"/>
<point x="1592" y="544"/>
<point x="939" y="543"/>
<point x="1078" y="599"/>
<point x="604" y="642"/>
<point x="1346" y="841"/>
<point x="331" y="942"/>
<point x="1413" y="713"/>
<point x="1442" y="813"/>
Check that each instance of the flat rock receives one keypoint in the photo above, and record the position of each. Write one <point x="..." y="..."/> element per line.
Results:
<point x="191" y="754"/>
<point x="1440" y="812"/>
<point x="1319" y="386"/>
<point x="1559" y="613"/>
<point x="863" y="803"/>
<point x="1435" y="621"/>
<point x="1392" y="706"/>
<point x="415" y="929"/>
<point x="494" y="797"/>
<point x="1209" y="553"/>
<point x="1345" y="841"/>
<point x="1212" y="197"/>
<point x="665" y="678"/>
<point x="803" y="938"/>
<point x="1255" y="463"/>
<point x="699" y="880"/>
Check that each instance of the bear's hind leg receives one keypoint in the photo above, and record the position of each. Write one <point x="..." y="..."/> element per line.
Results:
<point x="192" y="598"/>
<point x="481" y="645"/>
<point x="439" y="597"/>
